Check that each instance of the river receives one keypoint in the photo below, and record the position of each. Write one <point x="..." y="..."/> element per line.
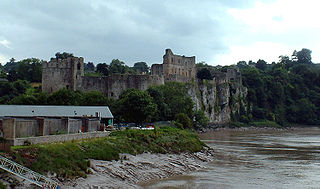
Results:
<point x="256" y="159"/>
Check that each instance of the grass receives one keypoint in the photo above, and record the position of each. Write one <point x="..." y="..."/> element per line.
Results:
<point x="71" y="159"/>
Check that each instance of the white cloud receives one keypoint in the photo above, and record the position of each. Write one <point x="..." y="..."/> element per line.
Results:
<point x="3" y="59"/>
<point x="5" y="43"/>
<point x="280" y="16"/>
<point x="270" y="29"/>
<point x="267" y="51"/>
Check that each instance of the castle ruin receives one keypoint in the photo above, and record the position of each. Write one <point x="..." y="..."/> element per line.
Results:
<point x="69" y="73"/>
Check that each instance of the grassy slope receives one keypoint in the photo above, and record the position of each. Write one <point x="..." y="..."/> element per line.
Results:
<point x="70" y="159"/>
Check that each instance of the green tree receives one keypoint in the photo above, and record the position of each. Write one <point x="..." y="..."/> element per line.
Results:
<point x="94" y="98"/>
<point x="184" y="120"/>
<point x="304" y="56"/>
<point x="201" y="120"/>
<point x="261" y="64"/>
<point x="136" y="106"/>
<point x="103" y="68"/>
<point x="141" y="67"/>
<point x="65" y="97"/>
<point x="204" y="73"/>
<point x="172" y="99"/>
<point x="117" y="66"/>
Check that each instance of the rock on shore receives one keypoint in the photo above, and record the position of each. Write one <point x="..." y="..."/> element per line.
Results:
<point x="132" y="170"/>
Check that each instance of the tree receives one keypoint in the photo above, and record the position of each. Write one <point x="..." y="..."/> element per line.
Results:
<point x="184" y="120"/>
<point x="64" y="55"/>
<point x="65" y="97"/>
<point x="117" y="66"/>
<point x="94" y="98"/>
<point x="201" y="120"/>
<point x="136" y="106"/>
<point x="242" y="64"/>
<point x="141" y="67"/>
<point x="172" y="99"/>
<point x="261" y="64"/>
<point x="89" y="67"/>
<point x="204" y="73"/>
<point x="103" y="68"/>
<point x="304" y="56"/>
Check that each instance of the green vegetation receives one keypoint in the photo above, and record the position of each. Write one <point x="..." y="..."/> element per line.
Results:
<point x="284" y="92"/>
<point x="70" y="159"/>
<point x="2" y="186"/>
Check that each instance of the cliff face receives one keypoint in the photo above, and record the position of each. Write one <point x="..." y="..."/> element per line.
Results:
<point x="220" y="100"/>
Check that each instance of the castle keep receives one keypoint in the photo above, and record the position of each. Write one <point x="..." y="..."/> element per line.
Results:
<point x="175" y="67"/>
<point x="69" y="73"/>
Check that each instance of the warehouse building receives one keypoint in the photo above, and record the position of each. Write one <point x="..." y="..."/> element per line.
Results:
<point x="23" y="121"/>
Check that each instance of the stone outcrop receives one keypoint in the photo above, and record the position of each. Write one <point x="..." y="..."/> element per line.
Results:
<point x="220" y="98"/>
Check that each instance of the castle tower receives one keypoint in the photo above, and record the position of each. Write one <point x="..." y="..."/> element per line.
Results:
<point x="176" y="67"/>
<point x="62" y="73"/>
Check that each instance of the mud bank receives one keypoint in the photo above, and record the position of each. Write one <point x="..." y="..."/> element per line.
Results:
<point x="132" y="170"/>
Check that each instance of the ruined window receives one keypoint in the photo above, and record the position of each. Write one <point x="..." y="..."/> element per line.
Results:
<point x="78" y="66"/>
<point x="179" y="61"/>
<point x="67" y="86"/>
<point x="172" y="60"/>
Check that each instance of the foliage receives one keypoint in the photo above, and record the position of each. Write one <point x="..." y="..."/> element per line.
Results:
<point x="171" y="99"/>
<point x="204" y="73"/>
<point x="141" y="66"/>
<point x="70" y="159"/>
<point x="63" y="55"/>
<point x="65" y="97"/>
<point x="9" y="90"/>
<point x="184" y="120"/>
<point x="103" y="68"/>
<point x="94" y="98"/>
<point x="89" y="67"/>
<point x="285" y="92"/>
<point x="200" y="119"/>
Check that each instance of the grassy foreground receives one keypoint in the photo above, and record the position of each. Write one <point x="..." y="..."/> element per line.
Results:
<point x="71" y="159"/>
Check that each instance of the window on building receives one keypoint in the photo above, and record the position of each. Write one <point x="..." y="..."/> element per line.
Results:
<point x="78" y="66"/>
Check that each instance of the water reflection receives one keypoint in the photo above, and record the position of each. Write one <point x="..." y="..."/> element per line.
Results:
<point x="256" y="159"/>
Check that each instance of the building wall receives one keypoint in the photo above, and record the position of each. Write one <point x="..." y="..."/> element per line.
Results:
<point x="69" y="73"/>
<point x="75" y="125"/>
<point x="57" y="138"/>
<point x="176" y="67"/>
<point x="26" y="128"/>
<point x="55" y="126"/>
<point x="112" y="86"/>
<point x="93" y="125"/>
<point x="60" y="73"/>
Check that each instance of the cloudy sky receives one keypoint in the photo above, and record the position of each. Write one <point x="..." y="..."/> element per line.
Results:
<point x="219" y="32"/>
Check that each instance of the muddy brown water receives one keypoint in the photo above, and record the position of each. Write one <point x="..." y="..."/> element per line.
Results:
<point x="256" y="159"/>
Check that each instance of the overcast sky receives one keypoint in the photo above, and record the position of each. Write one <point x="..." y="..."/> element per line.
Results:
<point x="219" y="32"/>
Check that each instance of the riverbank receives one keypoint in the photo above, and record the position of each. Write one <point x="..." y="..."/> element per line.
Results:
<point x="162" y="147"/>
<point x="132" y="171"/>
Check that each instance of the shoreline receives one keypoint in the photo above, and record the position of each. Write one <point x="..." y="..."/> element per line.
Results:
<point x="254" y="128"/>
<point x="133" y="171"/>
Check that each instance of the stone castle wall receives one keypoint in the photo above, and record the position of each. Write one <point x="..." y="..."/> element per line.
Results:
<point x="60" y="73"/>
<point x="175" y="67"/>
<point x="112" y="86"/>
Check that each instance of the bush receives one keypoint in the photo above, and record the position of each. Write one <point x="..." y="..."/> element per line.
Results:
<point x="183" y="119"/>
